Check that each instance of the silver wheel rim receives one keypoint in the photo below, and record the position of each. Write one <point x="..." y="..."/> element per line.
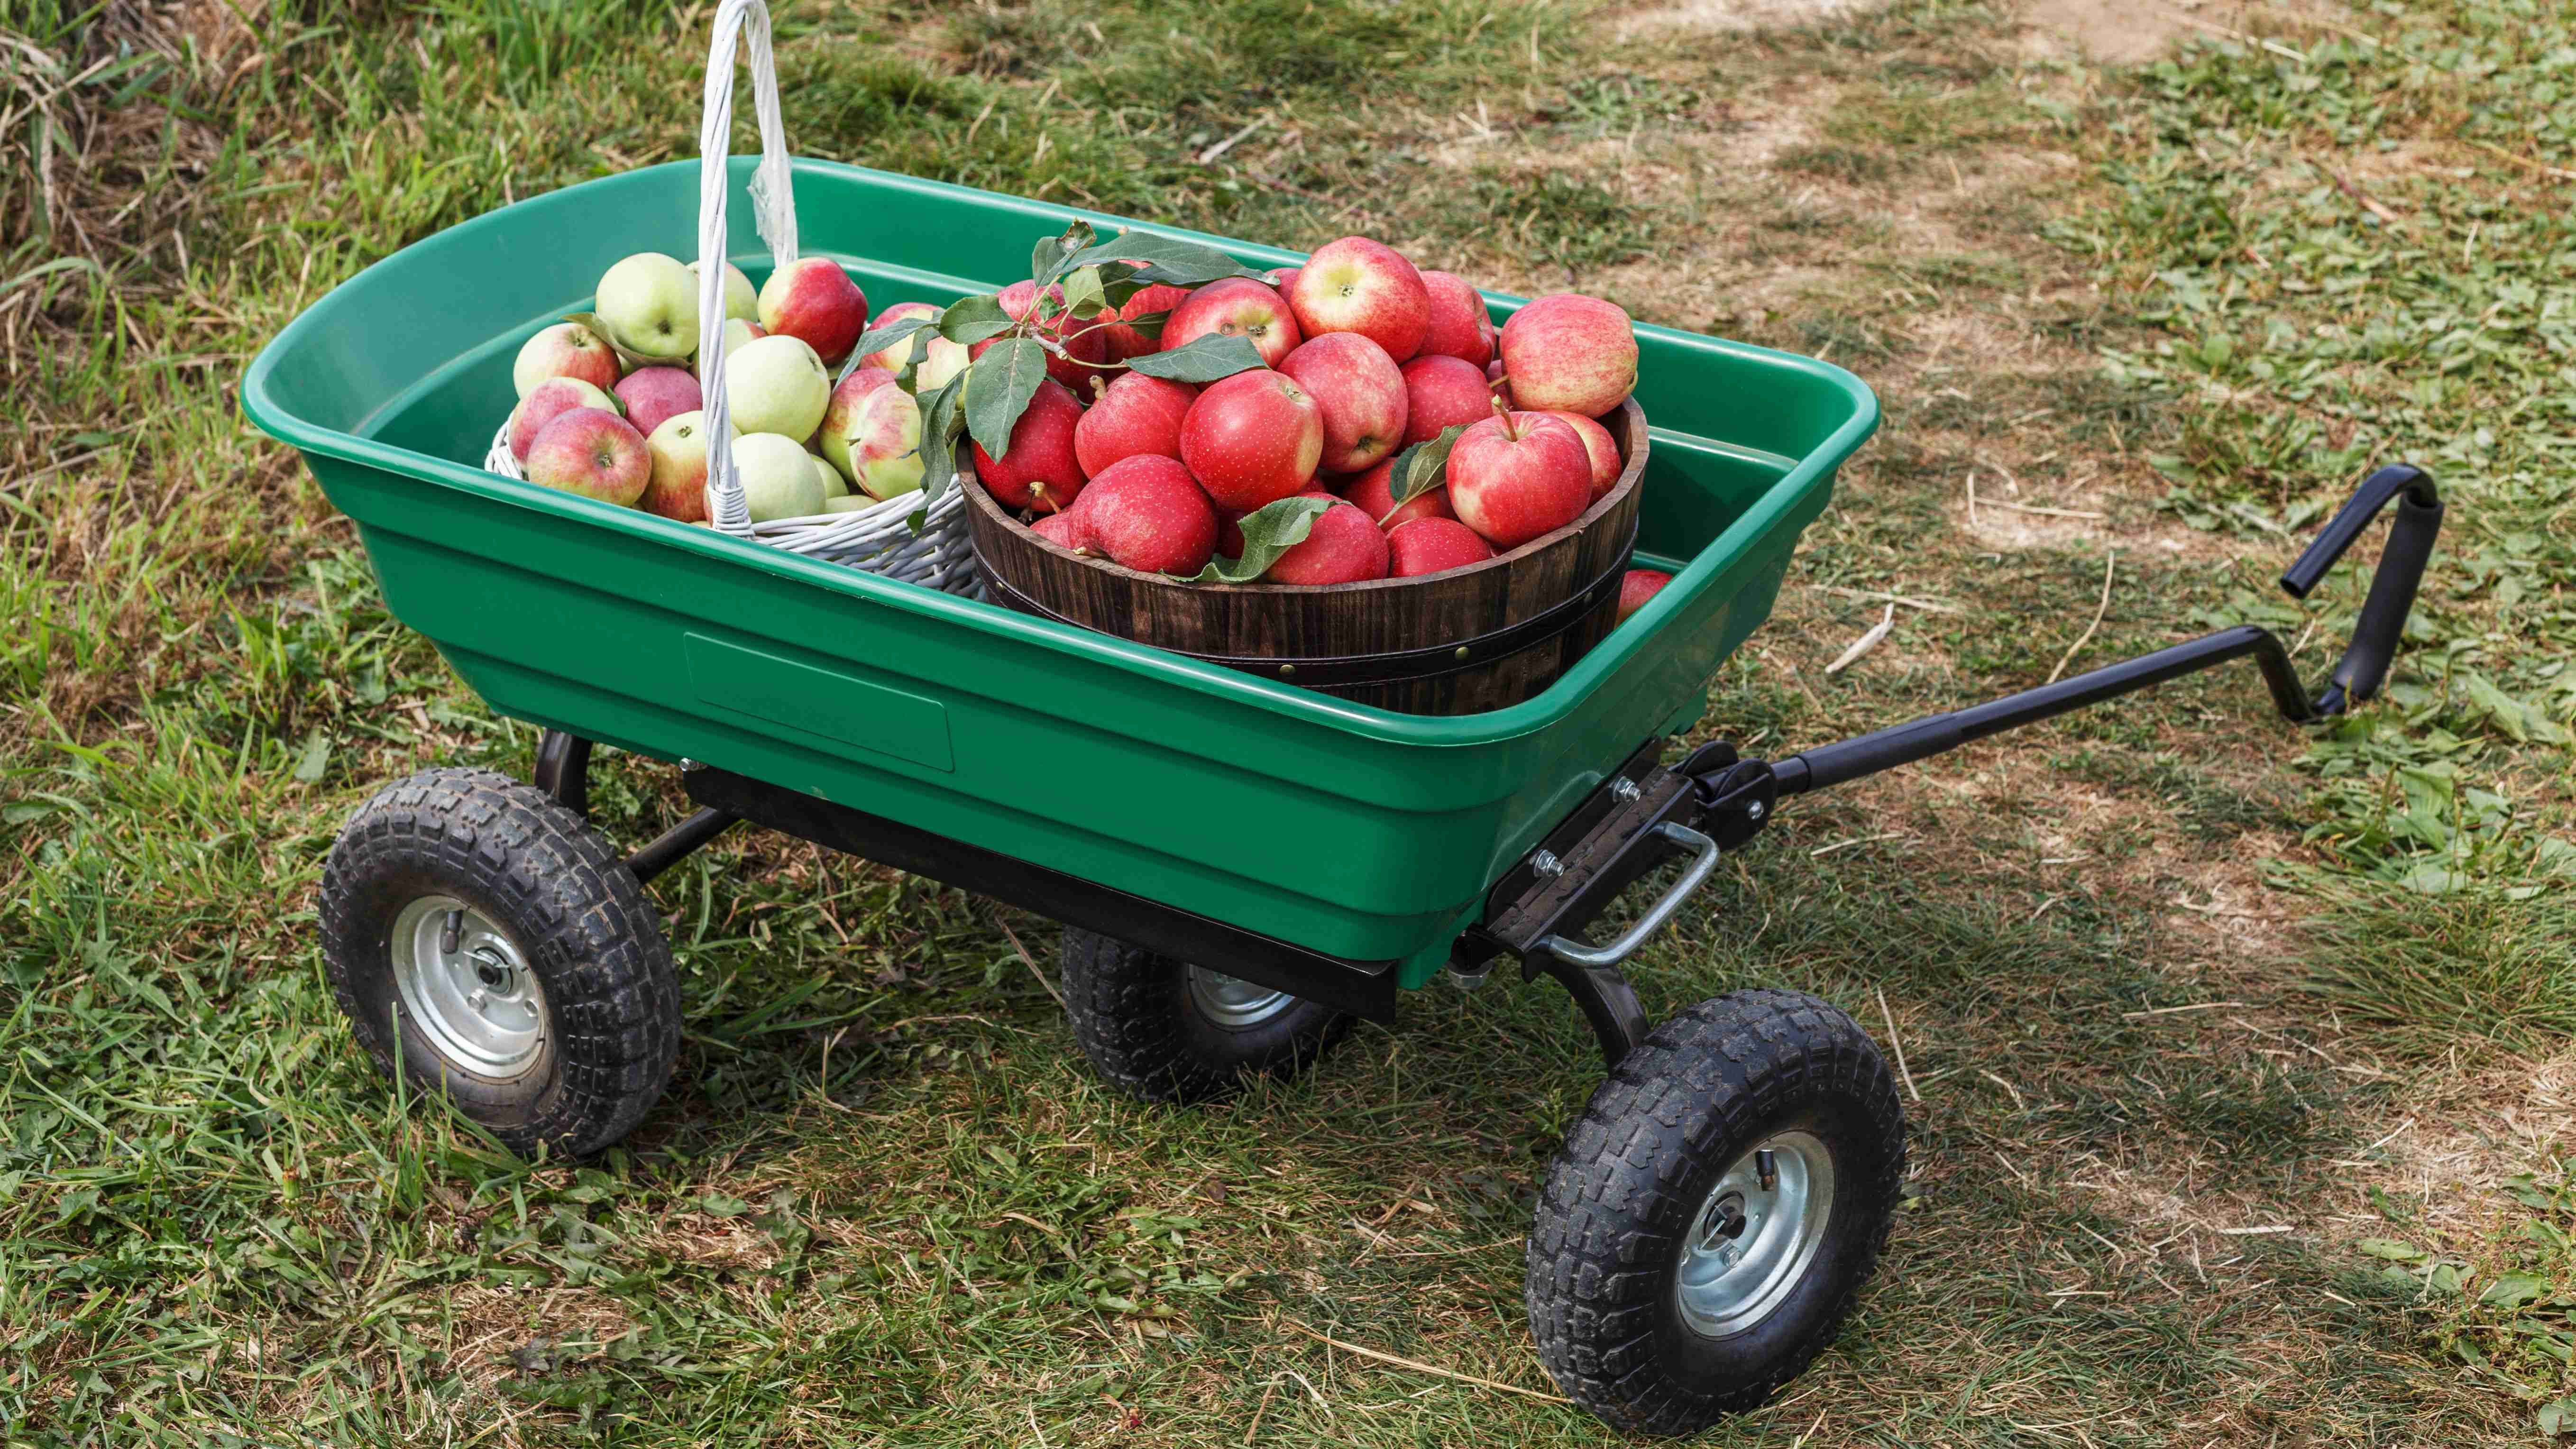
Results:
<point x="467" y="988"/>
<point x="1234" y="1003"/>
<point x="1755" y="1234"/>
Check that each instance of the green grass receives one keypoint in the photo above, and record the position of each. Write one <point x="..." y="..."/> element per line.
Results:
<point x="885" y="1203"/>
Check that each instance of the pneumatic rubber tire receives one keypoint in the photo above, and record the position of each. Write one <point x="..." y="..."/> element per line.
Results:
<point x="1145" y="1030"/>
<point x="1622" y="1200"/>
<point x="607" y="1005"/>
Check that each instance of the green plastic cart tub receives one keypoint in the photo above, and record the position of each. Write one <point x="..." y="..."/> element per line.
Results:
<point x="1348" y="830"/>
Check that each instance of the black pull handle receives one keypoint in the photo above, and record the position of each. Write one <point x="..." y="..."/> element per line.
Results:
<point x="2364" y="666"/>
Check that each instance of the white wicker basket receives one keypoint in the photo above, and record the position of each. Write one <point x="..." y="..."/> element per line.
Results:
<point x="879" y="539"/>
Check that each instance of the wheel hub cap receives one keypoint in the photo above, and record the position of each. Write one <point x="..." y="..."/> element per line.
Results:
<point x="1755" y="1234"/>
<point x="467" y="988"/>
<point x="1234" y="1003"/>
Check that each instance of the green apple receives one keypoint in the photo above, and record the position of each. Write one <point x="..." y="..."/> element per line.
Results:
<point x="739" y="298"/>
<point x="778" y="478"/>
<point x="834" y="485"/>
<point x="776" y="384"/>
<point x="650" y="303"/>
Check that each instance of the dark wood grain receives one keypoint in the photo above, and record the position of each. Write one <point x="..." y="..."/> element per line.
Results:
<point x="1237" y="622"/>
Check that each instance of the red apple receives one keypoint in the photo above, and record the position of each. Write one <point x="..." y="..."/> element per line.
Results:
<point x="1229" y="532"/>
<point x="1145" y="513"/>
<point x="1373" y="493"/>
<point x="1123" y="340"/>
<point x="1360" y="392"/>
<point x="1516" y="476"/>
<point x="1038" y="470"/>
<point x="567" y="349"/>
<point x="1459" y="327"/>
<point x="1598" y="446"/>
<point x="1358" y="285"/>
<point x="1252" y="439"/>
<point x="1421" y="546"/>
<point x="547" y="401"/>
<point x="1136" y="415"/>
<point x="652" y="394"/>
<point x="1497" y="382"/>
<point x="1066" y="530"/>
<point x="1280" y="277"/>
<point x="893" y="358"/>
<point x="815" y="299"/>
<point x="1342" y="547"/>
<point x="1570" y="353"/>
<point x="1235" y="307"/>
<point x="1440" y="393"/>
<point x="592" y="452"/>
<point x="1637" y="587"/>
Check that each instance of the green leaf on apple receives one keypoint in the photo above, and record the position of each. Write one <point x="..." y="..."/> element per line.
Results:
<point x="1052" y="257"/>
<point x="1424" y="466"/>
<point x="628" y="359"/>
<point x="1203" y="360"/>
<point x="878" y="339"/>
<point x="1082" y="292"/>
<point x="970" y="320"/>
<point x="1166" y="259"/>
<point x="941" y="421"/>
<point x="998" y="388"/>
<point x="1150" y="324"/>
<point x="1268" y="532"/>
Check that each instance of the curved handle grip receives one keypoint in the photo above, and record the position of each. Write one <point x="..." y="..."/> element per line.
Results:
<point x="1705" y="852"/>
<point x="2364" y="666"/>
<point x="774" y="205"/>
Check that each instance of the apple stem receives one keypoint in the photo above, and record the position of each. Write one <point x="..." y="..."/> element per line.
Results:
<point x="1505" y="414"/>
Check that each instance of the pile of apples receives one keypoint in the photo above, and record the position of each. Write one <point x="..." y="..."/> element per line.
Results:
<point x="1419" y="437"/>
<point x="611" y="406"/>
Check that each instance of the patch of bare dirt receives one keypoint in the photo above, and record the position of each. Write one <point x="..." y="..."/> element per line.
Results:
<point x="2099" y="30"/>
<point x="1735" y="15"/>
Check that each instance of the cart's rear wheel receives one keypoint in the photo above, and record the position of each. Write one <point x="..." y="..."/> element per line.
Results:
<point x="1714" y="1213"/>
<point x="485" y="941"/>
<point x="1165" y="1031"/>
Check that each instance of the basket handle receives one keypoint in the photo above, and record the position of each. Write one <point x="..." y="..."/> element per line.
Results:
<point x="774" y="208"/>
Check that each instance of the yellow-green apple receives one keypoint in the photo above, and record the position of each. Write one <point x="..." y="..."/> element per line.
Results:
<point x="1252" y="438"/>
<point x="1039" y="469"/>
<point x="678" y="489"/>
<point x="1459" y="327"/>
<point x="1342" y="546"/>
<point x="1144" y="513"/>
<point x="1235" y="307"/>
<point x="1421" y="546"/>
<point x="777" y="477"/>
<point x="848" y="503"/>
<point x="1363" y="286"/>
<point x="1360" y="392"/>
<point x="872" y="433"/>
<point x="776" y="384"/>
<point x="1636" y="587"/>
<point x="1076" y="348"/>
<point x="834" y="485"/>
<point x="592" y="452"/>
<point x="1597" y="445"/>
<point x="740" y="301"/>
<point x="814" y="299"/>
<point x="567" y="349"/>
<point x="1373" y="493"/>
<point x="546" y="402"/>
<point x="1123" y="339"/>
<point x="1136" y="415"/>
<point x="1566" y="352"/>
<point x="652" y="394"/>
<point x="893" y="358"/>
<point x="1441" y="392"/>
<point x="1516" y="476"/>
<point x="650" y="303"/>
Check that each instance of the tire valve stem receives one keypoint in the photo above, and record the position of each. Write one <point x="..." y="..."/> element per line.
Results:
<point x="1766" y="1167"/>
<point x="451" y="934"/>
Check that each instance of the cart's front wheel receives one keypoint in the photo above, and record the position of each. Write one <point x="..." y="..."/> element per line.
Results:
<point x="487" y="943"/>
<point x="1165" y="1031"/>
<point x="1713" y="1214"/>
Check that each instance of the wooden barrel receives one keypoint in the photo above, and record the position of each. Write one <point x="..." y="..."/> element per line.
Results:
<point x="1472" y="639"/>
